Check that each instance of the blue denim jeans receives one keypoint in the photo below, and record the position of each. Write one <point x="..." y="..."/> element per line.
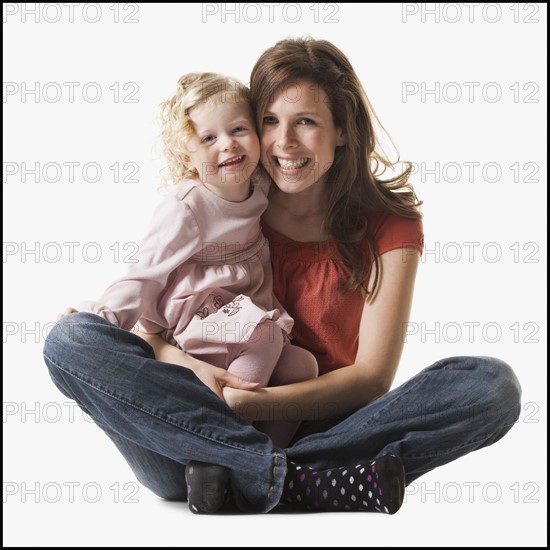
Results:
<point x="160" y="415"/>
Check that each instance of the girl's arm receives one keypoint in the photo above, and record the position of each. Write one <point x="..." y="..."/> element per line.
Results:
<point x="213" y="377"/>
<point x="173" y="237"/>
<point x="347" y="389"/>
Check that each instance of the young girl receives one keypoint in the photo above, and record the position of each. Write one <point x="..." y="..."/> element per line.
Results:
<point x="203" y="279"/>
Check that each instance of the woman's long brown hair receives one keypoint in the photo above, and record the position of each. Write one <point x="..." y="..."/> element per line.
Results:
<point x="353" y="184"/>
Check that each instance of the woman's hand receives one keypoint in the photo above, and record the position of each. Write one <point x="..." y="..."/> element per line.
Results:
<point x="213" y="377"/>
<point x="68" y="311"/>
<point x="241" y="400"/>
<point x="220" y="381"/>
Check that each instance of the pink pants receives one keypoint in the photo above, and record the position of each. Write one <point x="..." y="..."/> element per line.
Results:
<point x="269" y="359"/>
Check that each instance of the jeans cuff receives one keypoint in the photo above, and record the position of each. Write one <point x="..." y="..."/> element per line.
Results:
<point x="265" y="502"/>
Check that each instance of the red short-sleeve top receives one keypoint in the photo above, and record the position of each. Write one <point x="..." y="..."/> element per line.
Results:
<point x="306" y="278"/>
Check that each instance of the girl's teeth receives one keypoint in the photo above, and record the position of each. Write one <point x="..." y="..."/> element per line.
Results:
<point x="292" y="164"/>
<point x="234" y="161"/>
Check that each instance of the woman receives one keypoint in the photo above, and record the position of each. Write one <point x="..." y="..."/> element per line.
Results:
<point x="345" y="247"/>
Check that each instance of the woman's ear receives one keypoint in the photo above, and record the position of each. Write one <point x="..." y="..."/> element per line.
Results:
<point x="340" y="137"/>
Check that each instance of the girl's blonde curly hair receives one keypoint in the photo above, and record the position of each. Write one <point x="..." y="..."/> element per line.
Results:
<point x="193" y="89"/>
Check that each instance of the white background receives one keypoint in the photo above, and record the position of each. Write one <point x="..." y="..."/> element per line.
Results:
<point x="476" y="302"/>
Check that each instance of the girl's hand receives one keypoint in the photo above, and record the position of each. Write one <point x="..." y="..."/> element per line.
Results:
<point x="68" y="311"/>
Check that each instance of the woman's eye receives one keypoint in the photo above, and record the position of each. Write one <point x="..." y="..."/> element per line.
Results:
<point x="269" y="120"/>
<point x="306" y="121"/>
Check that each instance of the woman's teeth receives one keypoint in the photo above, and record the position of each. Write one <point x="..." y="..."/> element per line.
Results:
<point x="292" y="164"/>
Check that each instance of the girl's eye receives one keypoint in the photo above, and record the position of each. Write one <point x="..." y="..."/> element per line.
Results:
<point x="239" y="129"/>
<point x="207" y="139"/>
<point x="269" y="120"/>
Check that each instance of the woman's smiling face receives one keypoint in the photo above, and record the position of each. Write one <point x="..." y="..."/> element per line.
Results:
<point x="299" y="137"/>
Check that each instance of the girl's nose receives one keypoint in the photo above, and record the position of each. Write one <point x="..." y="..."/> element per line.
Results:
<point x="228" y="143"/>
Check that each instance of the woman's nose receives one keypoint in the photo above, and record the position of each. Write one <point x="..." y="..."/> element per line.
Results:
<point x="285" y="136"/>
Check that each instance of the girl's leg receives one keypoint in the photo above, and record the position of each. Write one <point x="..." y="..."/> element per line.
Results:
<point x="295" y="365"/>
<point x="267" y="358"/>
<point x="456" y="406"/>
<point x="158" y="414"/>
<point x="255" y="359"/>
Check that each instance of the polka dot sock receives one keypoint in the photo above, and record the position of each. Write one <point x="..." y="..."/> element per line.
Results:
<point x="378" y="486"/>
<point x="206" y="487"/>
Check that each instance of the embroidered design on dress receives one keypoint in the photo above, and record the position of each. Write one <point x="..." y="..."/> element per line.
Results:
<point x="217" y="301"/>
<point x="232" y="308"/>
<point x="202" y="313"/>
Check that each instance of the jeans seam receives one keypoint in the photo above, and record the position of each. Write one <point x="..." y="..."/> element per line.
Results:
<point x="447" y="451"/>
<point x="371" y="421"/>
<point x="166" y="419"/>
<point x="421" y="380"/>
<point x="276" y="485"/>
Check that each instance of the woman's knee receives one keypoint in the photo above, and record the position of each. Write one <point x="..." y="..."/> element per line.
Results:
<point x="68" y="330"/>
<point x="80" y="342"/>
<point x="502" y="390"/>
<point x="500" y="377"/>
<point x="486" y="377"/>
<point x="486" y="386"/>
<point x="82" y="336"/>
<point x="59" y="349"/>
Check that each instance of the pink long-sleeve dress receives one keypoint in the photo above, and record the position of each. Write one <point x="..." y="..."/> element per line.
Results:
<point x="203" y="278"/>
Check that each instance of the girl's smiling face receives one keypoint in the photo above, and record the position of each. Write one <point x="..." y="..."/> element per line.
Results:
<point x="225" y="149"/>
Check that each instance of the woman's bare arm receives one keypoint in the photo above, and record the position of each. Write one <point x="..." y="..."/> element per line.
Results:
<point x="347" y="389"/>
